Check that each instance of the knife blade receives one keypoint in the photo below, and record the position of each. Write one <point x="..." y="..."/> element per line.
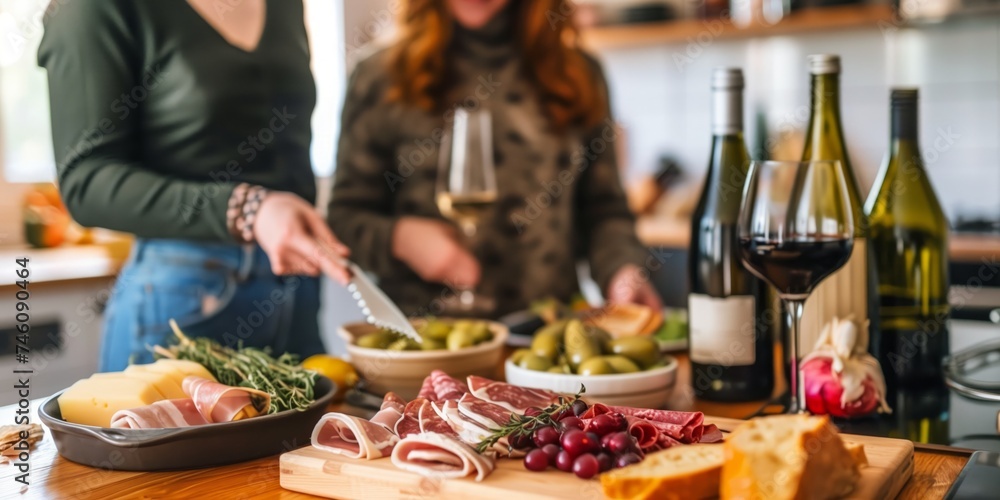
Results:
<point x="378" y="309"/>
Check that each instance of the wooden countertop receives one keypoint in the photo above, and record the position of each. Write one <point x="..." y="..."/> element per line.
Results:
<point x="54" y="477"/>
<point x="673" y="232"/>
<point x="65" y="263"/>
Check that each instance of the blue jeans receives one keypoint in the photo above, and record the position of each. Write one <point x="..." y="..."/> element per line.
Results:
<point x="226" y="292"/>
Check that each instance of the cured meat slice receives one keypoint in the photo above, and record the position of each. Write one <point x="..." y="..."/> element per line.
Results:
<point x="222" y="403"/>
<point x="391" y="411"/>
<point x="446" y="387"/>
<point x="711" y="434"/>
<point x="437" y="455"/>
<point x="462" y="427"/>
<point x="160" y="415"/>
<point x="431" y="421"/>
<point x="353" y="437"/>
<point x="512" y="397"/>
<point x="427" y="389"/>
<point x="409" y="423"/>
<point x="485" y="413"/>
<point x="686" y="427"/>
<point x="646" y="436"/>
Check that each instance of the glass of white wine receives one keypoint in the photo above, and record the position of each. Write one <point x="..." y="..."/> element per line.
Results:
<point x="466" y="184"/>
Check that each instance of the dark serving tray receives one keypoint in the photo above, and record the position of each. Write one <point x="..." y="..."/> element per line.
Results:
<point x="185" y="447"/>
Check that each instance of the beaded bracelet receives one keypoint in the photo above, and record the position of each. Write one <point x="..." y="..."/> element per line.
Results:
<point x="242" y="211"/>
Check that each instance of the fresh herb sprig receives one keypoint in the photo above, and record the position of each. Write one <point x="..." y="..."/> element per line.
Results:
<point x="524" y="425"/>
<point x="291" y="387"/>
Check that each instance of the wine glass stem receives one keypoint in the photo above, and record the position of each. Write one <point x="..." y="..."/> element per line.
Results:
<point x="795" y="377"/>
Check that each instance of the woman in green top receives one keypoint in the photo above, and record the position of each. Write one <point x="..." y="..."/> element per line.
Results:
<point x="187" y="125"/>
<point x="559" y="195"/>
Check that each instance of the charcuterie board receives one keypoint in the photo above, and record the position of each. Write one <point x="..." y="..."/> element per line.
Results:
<point x="309" y="470"/>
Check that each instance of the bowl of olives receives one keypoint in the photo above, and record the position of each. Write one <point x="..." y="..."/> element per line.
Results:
<point x="389" y="361"/>
<point x="564" y="355"/>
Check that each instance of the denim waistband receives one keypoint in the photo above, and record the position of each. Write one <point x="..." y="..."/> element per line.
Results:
<point x="245" y="260"/>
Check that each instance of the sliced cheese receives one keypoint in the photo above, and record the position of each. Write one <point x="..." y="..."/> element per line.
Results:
<point x="93" y="401"/>
<point x="166" y="385"/>
<point x="178" y="369"/>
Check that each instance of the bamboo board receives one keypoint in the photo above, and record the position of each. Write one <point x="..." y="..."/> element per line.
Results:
<point x="309" y="470"/>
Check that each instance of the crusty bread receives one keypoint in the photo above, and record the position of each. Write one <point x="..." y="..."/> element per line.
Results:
<point x="680" y="472"/>
<point x="787" y="457"/>
<point x="625" y="320"/>
<point x="857" y="451"/>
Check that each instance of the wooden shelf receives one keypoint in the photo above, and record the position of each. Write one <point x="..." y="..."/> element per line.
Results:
<point x="807" y="20"/>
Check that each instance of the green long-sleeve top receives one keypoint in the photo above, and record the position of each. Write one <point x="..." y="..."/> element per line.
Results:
<point x="155" y="116"/>
<point x="559" y="194"/>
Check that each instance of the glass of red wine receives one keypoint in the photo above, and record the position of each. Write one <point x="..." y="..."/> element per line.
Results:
<point x="795" y="229"/>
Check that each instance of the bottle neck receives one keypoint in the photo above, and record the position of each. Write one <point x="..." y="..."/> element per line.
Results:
<point x="904" y="122"/>
<point x="727" y="111"/>
<point x="826" y="96"/>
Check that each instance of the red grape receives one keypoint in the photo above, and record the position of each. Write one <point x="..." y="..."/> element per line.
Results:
<point x="562" y="414"/>
<point x="564" y="461"/>
<point x="618" y="443"/>
<point x="586" y="466"/>
<point x="532" y="412"/>
<point x="627" y="459"/>
<point x="536" y="460"/>
<point x="552" y="450"/>
<point x="595" y="441"/>
<point x="546" y="435"/>
<point x="603" y="424"/>
<point x="571" y="422"/>
<point x="520" y="441"/>
<point x="577" y="442"/>
<point x="579" y="407"/>
<point x="604" y="461"/>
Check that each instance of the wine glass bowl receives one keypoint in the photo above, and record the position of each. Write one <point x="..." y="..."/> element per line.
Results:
<point x="795" y="229"/>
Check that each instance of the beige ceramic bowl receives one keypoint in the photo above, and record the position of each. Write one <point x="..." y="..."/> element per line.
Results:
<point x="645" y="389"/>
<point x="403" y="372"/>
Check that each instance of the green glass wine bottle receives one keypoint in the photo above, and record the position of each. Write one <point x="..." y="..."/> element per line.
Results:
<point x="909" y="234"/>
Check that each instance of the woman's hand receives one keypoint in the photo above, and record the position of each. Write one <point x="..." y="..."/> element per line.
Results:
<point x="631" y="285"/>
<point x="297" y="240"/>
<point x="431" y="248"/>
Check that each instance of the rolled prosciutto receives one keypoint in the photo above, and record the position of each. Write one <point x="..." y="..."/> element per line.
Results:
<point x="353" y="437"/>
<point x="438" y="455"/>
<point x="390" y="412"/>
<point x="512" y="397"/>
<point x="223" y="403"/>
<point x="161" y="414"/>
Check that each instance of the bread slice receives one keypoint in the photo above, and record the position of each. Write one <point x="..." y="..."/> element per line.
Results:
<point x="857" y="451"/>
<point x="787" y="457"/>
<point x="680" y="472"/>
<point x="626" y="320"/>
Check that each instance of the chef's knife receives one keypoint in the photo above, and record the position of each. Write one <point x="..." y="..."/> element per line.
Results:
<point x="378" y="309"/>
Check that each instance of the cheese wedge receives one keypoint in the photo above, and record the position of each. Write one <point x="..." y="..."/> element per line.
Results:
<point x="677" y="473"/>
<point x="178" y="369"/>
<point x="166" y="385"/>
<point x="93" y="401"/>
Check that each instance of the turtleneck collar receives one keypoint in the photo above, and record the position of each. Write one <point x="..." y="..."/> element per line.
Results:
<point x="491" y="44"/>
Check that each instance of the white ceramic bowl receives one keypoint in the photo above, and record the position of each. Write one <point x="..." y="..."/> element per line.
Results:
<point x="645" y="389"/>
<point x="403" y="372"/>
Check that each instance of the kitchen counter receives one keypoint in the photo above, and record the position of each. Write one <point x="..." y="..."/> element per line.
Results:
<point x="672" y="232"/>
<point x="66" y="263"/>
<point x="54" y="477"/>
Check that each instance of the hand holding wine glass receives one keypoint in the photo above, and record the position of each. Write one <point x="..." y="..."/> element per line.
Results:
<point x="795" y="229"/>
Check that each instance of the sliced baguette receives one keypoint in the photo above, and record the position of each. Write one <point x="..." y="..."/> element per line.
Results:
<point x="787" y="457"/>
<point x="857" y="451"/>
<point x="679" y="472"/>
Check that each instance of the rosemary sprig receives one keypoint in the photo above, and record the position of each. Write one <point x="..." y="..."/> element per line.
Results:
<point x="291" y="387"/>
<point x="524" y="425"/>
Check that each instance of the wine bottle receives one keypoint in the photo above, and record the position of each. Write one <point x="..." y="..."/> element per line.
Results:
<point x="731" y="347"/>
<point x="909" y="238"/>
<point x="850" y="291"/>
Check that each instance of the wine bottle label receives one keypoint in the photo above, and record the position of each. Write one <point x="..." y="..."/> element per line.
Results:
<point x="722" y="329"/>
<point x="843" y="294"/>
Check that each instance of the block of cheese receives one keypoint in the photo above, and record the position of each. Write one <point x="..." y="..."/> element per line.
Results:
<point x="178" y="369"/>
<point x="93" y="401"/>
<point x="677" y="473"/>
<point x="786" y="457"/>
<point x="166" y="385"/>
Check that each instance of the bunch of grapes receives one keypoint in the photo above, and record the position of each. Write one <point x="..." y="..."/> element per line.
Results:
<point x="569" y="446"/>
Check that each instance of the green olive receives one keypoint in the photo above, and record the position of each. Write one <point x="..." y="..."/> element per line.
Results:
<point x="480" y="331"/>
<point x="600" y="335"/>
<point x="564" y="368"/>
<point x="437" y="330"/>
<point x="376" y="340"/>
<point x="621" y="364"/>
<point x="546" y="346"/>
<point x="643" y="350"/>
<point x="555" y="369"/>
<point x="460" y="339"/>
<point x="429" y="344"/>
<point x="519" y="354"/>
<point x="537" y="363"/>
<point x="598" y="365"/>
<point x="402" y="344"/>
<point x="580" y="345"/>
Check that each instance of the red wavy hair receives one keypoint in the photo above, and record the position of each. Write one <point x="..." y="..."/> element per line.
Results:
<point x="548" y="42"/>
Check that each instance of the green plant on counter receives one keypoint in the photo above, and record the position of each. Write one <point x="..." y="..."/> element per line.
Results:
<point x="434" y="334"/>
<point x="571" y="347"/>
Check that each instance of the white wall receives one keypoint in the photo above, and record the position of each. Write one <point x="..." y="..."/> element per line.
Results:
<point x="663" y="98"/>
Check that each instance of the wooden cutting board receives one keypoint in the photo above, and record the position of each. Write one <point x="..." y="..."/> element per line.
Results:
<point x="309" y="470"/>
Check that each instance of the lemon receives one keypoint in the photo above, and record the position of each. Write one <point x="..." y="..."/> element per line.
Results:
<point x="339" y="371"/>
